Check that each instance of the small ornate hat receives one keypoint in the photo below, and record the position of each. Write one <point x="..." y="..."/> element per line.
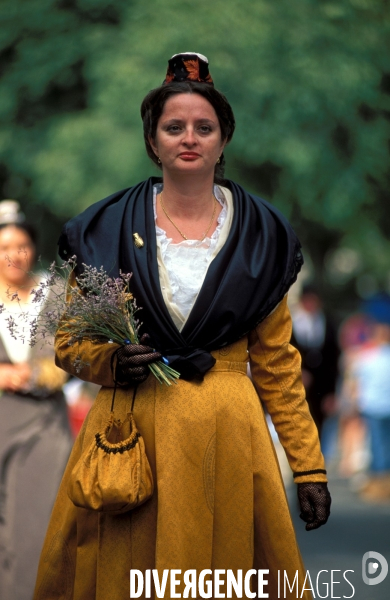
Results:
<point x="10" y="212"/>
<point x="188" y="66"/>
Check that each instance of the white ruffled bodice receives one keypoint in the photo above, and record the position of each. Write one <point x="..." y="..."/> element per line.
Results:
<point x="186" y="263"/>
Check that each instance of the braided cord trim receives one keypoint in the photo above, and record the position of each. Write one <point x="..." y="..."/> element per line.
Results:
<point x="313" y="472"/>
<point x="115" y="450"/>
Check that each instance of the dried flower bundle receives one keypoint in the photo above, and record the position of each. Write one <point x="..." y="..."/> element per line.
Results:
<point x="97" y="308"/>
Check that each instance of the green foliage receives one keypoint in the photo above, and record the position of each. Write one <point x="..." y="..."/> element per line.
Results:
<point x="309" y="82"/>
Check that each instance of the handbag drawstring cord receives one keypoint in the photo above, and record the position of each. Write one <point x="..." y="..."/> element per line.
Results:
<point x="114" y="363"/>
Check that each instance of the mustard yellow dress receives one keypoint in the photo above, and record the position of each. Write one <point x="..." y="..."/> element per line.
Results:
<point x="219" y="500"/>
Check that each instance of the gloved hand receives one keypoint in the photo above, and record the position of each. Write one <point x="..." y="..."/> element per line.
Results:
<point x="133" y="360"/>
<point x="314" y="500"/>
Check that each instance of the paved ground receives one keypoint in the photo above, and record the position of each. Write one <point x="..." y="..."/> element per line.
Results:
<point x="354" y="528"/>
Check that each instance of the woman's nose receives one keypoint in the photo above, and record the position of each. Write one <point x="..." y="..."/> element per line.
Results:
<point x="12" y="253"/>
<point x="189" y="137"/>
<point x="17" y="255"/>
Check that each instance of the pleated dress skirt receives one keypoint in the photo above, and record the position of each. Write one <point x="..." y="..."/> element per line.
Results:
<point x="219" y="500"/>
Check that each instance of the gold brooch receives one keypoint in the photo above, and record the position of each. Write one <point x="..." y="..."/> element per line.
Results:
<point x="138" y="241"/>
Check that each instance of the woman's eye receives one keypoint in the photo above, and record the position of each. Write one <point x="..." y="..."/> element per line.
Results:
<point x="205" y="129"/>
<point x="173" y="128"/>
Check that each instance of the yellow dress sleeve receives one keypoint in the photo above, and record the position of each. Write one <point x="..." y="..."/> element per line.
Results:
<point x="88" y="361"/>
<point x="276" y="373"/>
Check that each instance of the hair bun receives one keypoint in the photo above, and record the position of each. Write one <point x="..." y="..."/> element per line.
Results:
<point x="188" y="66"/>
<point x="10" y="212"/>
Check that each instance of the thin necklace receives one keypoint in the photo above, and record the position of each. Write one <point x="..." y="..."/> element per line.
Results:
<point x="176" y="227"/>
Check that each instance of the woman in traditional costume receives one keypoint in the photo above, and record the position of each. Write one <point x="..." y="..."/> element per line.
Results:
<point x="211" y="265"/>
<point x="35" y="440"/>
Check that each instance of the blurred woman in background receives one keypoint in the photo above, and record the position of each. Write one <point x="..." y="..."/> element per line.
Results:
<point x="371" y="375"/>
<point x="34" y="435"/>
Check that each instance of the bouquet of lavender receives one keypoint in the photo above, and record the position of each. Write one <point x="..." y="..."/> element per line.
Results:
<point x="97" y="308"/>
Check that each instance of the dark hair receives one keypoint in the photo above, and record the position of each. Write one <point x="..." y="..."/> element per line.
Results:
<point x="29" y="229"/>
<point x="153" y="105"/>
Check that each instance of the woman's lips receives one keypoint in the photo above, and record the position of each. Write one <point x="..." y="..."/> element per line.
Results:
<point x="189" y="155"/>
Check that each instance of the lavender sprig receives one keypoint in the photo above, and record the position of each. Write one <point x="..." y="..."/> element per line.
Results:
<point x="98" y="308"/>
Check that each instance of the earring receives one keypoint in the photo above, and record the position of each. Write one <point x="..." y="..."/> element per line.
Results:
<point x="159" y="160"/>
<point x="219" y="160"/>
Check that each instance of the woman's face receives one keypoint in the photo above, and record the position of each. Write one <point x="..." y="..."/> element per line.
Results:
<point x="188" y="137"/>
<point x="17" y="254"/>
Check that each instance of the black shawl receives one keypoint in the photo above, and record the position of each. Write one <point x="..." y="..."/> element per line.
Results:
<point x="246" y="280"/>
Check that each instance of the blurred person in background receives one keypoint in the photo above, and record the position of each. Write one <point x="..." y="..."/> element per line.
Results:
<point x="316" y="339"/>
<point x="34" y="434"/>
<point x="371" y="373"/>
<point x="354" y="337"/>
<point x="79" y="398"/>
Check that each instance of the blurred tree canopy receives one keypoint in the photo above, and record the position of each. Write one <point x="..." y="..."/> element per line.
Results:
<point x="309" y="82"/>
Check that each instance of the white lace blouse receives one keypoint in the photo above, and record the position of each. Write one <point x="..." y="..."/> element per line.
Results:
<point x="19" y="351"/>
<point x="183" y="266"/>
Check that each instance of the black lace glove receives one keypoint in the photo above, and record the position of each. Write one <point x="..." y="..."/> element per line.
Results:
<point x="133" y="360"/>
<point x="314" y="500"/>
